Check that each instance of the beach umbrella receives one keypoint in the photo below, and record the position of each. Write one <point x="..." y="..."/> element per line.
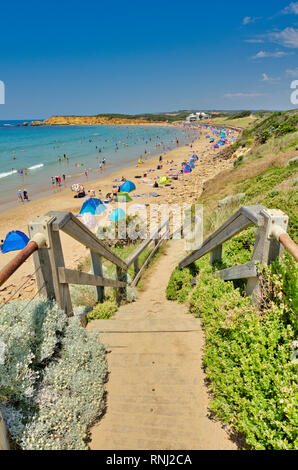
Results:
<point x="92" y="206"/>
<point x="163" y="180"/>
<point x="14" y="240"/>
<point x="127" y="187"/>
<point x="117" y="214"/>
<point x="123" y="197"/>
<point x="77" y="187"/>
<point x="89" y="220"/>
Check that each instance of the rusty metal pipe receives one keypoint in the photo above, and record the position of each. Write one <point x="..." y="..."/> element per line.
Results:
<point x="289" y="245"/>
<point x="16" y="262"/>
<point x="284" y="238"/>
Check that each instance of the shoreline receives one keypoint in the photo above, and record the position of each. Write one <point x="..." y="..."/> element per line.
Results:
<point x="45" y="190"/>
<point x="184" y="191"/>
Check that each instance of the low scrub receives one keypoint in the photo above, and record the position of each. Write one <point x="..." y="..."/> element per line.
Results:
<point x="248" y="351"/>
<point x="51" y="377"/>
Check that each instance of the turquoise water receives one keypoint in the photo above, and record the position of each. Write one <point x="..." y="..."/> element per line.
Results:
<point x="30" y="156"/>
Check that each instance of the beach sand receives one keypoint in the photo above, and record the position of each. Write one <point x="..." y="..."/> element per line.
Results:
<point x="185" y="190"/>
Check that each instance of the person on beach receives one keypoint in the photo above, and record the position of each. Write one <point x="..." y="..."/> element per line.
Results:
<point x="64" y="180"/>
<point x="115" y="191"/>
<point x="20" y="197"/>
<point x="25" y="195"/>
<point x="86" y="174"/>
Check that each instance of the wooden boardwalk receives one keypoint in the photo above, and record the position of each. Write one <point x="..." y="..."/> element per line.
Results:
<point x="156" y="395"/>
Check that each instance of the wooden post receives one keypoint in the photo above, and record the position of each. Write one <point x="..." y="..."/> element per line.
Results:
<point x="216" y="255"/>
<point x="62" y="293"/>
<point x="136" y="266"/>
<point x="96" y="268"/>
<point x="4" y="443"/>
<point x="41" y="258"/>
<point x="120" y="292"/>
<point x="266" y="250"/>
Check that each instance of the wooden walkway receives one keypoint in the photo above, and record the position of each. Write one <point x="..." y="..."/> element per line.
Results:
<point x="156" y="396"/>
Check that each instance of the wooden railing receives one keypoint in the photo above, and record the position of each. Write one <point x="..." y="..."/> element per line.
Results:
<point x="158" y="238"/>
<point x="271" y="239"/>
<point x="53" y="278"/>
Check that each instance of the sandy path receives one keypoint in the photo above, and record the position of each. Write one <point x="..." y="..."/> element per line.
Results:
<point x="156" y="396"/>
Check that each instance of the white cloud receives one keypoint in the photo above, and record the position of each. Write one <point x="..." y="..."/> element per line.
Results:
<point x="254" y="41"/>
<point x="292" y="72"/>
<point x="291" y="9"/>
<point x="242" y="95"/>
<point x="287" y="38"/>
<point x="274" y="55"/>
<point x="266" y="78"/>
<point x="250" y="19"/>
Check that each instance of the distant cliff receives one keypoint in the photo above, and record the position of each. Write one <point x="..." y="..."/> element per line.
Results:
<point x="87" y="120"/>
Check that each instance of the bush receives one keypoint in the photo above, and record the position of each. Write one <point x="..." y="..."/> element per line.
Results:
<point x="248" y="353"/>
<point x="180" y="285"/>
<point x="52" y="379"/>
<point x="103" y="311"/>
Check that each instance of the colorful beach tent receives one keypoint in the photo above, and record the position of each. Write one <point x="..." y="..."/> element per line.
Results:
<point x="163" y="180"/>
<point x="191" y="164"/>
<point x="127" y="187"/>
<point x="117" y="214"/>
<point x="92" y="206"/>
<point x="123" y="197"/>
<point x="187" y="169"/>
<point x="15" y="240"/>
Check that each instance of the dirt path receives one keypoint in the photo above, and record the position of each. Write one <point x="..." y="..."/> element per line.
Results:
<point x="156" y="396"/>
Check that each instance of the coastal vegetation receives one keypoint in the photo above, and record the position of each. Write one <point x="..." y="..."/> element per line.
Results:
<point x="248" y="358"/>
<point x="52" y="379"/>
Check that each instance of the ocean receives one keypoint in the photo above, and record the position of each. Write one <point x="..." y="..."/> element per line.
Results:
<point x="30" y="156"/>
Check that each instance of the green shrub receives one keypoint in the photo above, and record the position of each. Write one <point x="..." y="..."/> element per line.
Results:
<point x="103" y="311"/>
<point x="180" y="285"/>
<point x="248" y="352"/>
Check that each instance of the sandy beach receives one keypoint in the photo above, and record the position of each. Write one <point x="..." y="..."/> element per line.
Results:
<point x="185" y="190"/>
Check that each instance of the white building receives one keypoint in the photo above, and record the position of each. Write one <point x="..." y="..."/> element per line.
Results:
<point x="198" y="116"/>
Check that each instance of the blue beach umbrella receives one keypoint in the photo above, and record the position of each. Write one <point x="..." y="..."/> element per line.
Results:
<point x="117" y="214"/>
<point x="15" y="240"/>
<point x="92" y="206"/>
<point x="127" y="187"/>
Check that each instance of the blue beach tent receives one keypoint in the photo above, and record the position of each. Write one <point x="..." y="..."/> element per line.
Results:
<point x="15" y="240"/>
<point x="191" y="164"/>
<point x="127" y="187"/>
<point x="117" y="214"/>
<point x="187" y="169"/>
<point x="93" y="206"/>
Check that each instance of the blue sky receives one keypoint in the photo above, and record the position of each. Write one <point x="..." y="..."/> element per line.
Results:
<point x="71" y="57"/>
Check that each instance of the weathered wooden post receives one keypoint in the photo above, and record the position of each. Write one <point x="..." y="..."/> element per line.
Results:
<point x="216" y="255"/>
<point x="4" y="443"/>
<point x="136" y="266"/>
<point x="96" y="268"/>
<point x="266" y="249"/>
<point x="49" y="260"/>
<point x="120" y="292"/>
